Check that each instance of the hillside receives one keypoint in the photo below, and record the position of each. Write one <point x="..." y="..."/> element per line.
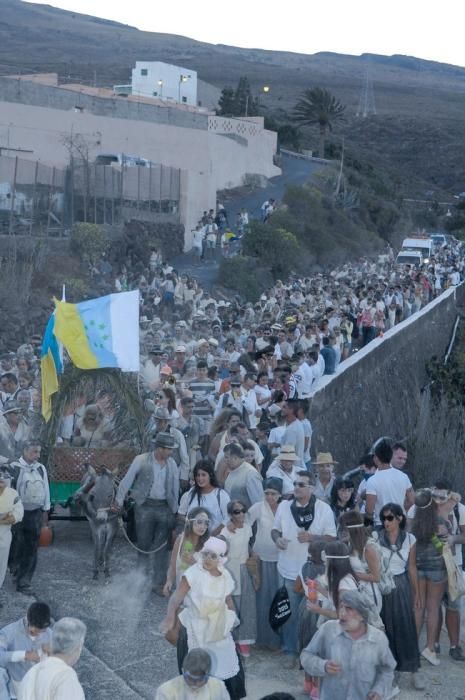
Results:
<point x="419" y="128"/>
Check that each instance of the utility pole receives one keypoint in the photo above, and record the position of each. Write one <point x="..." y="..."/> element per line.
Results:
<point x="366" y="103"/>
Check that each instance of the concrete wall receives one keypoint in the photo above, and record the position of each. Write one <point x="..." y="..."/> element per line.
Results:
<point x="188" y="142"/>
<point x="37" y="94"/>
<point x="213" y="162"/>
<point x="377" y="391"/>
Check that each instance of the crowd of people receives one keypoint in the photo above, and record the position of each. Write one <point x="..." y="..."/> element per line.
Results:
<point x="244" y="517"/>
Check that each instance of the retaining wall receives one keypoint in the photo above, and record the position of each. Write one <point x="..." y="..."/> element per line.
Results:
<point x="377" y="390"/>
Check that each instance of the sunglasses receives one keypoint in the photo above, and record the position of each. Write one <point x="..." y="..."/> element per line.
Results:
<point x="238" y="512"/>
<point x="440" y="497"/>
<point x="195" y="679"/>
<point x="209" y="555"/>
<point x="200" y="521"/>
<point x="388" y="517"/>
<point x="301" y="484"/>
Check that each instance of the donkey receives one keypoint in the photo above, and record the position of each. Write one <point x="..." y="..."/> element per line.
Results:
<point x="96" y="495"/>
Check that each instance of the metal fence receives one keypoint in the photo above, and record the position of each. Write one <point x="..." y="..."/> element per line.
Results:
<point x="32" y="196"/>
<point x="45" y="200"/>
<point x="106" y="194"/>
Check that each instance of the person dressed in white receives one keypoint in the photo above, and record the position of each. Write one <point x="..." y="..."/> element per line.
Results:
<point x="195" y="683"/>
<point x="53" y="678"/>
<point x="387" y="485"/>
<point x="284" y="468"/>
<point x="11" y="512"/>
<point x="297" y="523"/>
<point x="209" y="614"/>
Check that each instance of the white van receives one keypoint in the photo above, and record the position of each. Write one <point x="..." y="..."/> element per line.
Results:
<point x="409" y="257"/>
<point x="419" y="244"/>
<point x="121" y="159"/>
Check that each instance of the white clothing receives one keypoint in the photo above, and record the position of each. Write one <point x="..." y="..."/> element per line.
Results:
<point x="307" y="426"/>
<point x="216" y="502"/>
<point x="304" y="378"/>
<point x="276" y="436"/>
<point x="238" y="551"/>
<point x="389" y="486"/>
<point x="291" y="560"/>
<point x="9" y="504"/>
<point x="263" y="392"/>
<point x="249" y="402"/>
<point x="177" y="689"/>
<point x="397" y="561"/>
<point x="287" y="478"/>
<point x="263" y="547"/>
<point x="50" y="679"/>
<point x="208" y="620"/>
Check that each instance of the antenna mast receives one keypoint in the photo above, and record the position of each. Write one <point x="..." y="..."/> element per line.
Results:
<point x="366" y="103"/>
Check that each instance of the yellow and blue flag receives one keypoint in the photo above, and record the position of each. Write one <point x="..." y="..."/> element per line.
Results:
<point x="50" y="366"/>
<point x="102" y="332"/>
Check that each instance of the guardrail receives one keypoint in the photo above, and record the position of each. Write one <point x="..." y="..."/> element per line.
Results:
<point x="303" y="156"/>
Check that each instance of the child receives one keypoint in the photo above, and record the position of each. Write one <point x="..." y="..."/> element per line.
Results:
<point x="307" y="626"/>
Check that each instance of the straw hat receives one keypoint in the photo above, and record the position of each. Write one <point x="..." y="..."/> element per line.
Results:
<point x="325" y="458"/>
<point x="288" y="454"/>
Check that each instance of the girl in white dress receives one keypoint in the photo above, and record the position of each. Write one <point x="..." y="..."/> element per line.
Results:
<point x="209" y="616"/>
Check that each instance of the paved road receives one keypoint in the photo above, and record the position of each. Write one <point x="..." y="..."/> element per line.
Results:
<point x="295" y="171"/>
<point x="125" y="657"/>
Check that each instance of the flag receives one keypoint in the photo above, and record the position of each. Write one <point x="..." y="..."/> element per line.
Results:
<point x="102" y="332"/>
<point x="50" y="366"/>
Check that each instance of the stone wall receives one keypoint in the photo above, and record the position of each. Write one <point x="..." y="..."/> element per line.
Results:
<point x="377" y="391"/>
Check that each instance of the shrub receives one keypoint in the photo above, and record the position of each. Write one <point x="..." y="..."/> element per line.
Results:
<point x="244" y="276"/>
<point x="88" y="241"/>
<point x="275" y="248"/>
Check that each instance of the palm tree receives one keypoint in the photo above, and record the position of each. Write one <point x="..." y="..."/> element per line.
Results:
<point x="318" y="106"/>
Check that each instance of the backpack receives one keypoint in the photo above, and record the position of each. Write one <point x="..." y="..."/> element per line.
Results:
<point x="386" y="578"/>
<point x="30" y="486"/>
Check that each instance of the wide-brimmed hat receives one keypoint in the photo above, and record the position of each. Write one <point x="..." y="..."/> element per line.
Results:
<point x="164" y="440"/>
<point x="288" y="453"/>
<point x="11" y="407"/>
<point x="325" y="458"/>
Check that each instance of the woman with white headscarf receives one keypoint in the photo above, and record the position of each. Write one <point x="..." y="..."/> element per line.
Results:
<point x="208" y="616"/>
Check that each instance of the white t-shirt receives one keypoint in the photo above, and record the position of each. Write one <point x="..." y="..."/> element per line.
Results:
<point x="397" y="561"/>
<point x="291" y="560"/>
<point x="307" y="426"/>
<point x="263" y="547"/>
<point x="276" y="436"/>
<point x="287" y="478"/>
<point x="389" y="486"/>
<point x="216" y="502"/>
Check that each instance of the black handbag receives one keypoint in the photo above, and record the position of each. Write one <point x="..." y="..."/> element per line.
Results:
<point x="280" y="609"/>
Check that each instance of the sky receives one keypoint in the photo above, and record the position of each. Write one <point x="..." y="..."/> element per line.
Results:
<point x="412" y="27"/>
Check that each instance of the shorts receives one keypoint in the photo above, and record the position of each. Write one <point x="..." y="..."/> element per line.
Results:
<point x="432" y="575"/>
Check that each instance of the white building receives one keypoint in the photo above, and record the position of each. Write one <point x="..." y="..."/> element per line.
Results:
<point x="165" y="81"/>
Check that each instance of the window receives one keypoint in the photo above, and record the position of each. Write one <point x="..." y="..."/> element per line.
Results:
<point x="184" y="99"/>
<point x="144" y="71"/>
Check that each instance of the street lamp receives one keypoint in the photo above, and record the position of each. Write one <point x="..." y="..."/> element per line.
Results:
<point x="182" y="79"/>
<point x="160" y="85"/>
